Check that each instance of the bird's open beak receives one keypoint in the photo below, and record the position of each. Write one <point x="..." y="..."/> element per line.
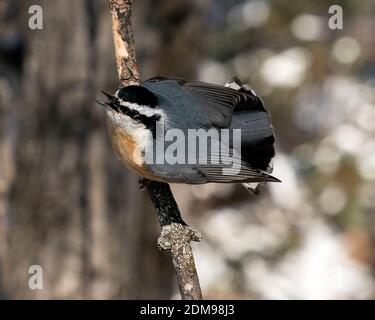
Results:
<point x="106" y="104"/>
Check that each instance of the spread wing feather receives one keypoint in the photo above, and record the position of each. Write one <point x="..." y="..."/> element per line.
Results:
<point x="217" y="101"/>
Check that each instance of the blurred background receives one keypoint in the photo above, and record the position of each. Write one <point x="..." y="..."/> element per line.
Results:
<point x="68" y="205"/>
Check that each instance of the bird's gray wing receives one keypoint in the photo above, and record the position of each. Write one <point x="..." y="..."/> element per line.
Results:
<point x="216" y="101"/>
<point x="238" y="107"/>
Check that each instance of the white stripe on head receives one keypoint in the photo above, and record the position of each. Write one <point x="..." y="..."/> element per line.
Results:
<point x="145" y="110"/>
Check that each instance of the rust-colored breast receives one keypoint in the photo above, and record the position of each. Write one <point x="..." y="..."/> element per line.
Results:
<point x="126" y="150"/>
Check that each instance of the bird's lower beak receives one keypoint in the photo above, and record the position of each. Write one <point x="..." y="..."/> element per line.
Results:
<point x="106" y="104"/>
<point x="102" y="103"/>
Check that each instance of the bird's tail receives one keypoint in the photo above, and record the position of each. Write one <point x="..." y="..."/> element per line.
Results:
<point x="257" y="139"/>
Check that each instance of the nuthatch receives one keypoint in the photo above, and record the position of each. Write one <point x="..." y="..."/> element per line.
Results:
<point x="135" y="112"/>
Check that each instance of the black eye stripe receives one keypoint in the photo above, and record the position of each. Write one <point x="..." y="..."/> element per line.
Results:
<point x="148" y="121"/>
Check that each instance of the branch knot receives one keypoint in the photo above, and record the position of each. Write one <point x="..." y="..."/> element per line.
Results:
<point x="174" y="236"/>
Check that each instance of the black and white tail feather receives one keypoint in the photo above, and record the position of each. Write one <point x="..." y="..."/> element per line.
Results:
<point x="235" y="84"/>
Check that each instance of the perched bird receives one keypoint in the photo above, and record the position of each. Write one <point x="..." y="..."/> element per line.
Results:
<point x="182" y="106"/>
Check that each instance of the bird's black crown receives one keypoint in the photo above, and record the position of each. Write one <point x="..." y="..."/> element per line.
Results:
<point x="138" y="95"/>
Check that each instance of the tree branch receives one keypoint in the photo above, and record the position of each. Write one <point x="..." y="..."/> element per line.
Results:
<point x="175" y="235"/>
<point x="123" y="38"/>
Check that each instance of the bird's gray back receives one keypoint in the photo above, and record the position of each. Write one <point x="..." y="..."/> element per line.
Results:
<point x="181" y="108"/>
